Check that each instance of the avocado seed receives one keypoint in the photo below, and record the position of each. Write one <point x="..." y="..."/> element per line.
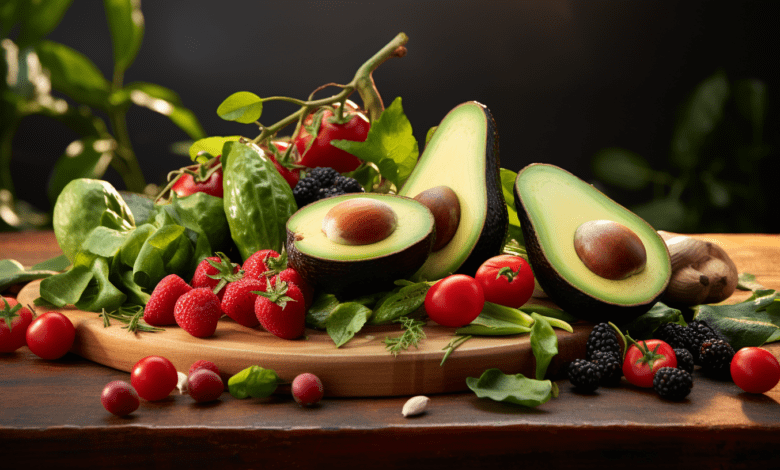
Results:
<point x="443" y="203"/>
<point x="359" y="221"/>
<point x="609" y="249"/>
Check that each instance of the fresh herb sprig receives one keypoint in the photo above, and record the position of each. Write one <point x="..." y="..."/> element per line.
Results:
<point x="412" y="336"/>
<point x="132" y="318"/>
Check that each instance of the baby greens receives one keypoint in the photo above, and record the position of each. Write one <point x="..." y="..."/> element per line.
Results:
<point x="254" y="381"/>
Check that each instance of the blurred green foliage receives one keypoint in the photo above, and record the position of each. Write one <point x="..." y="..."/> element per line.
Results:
<point x="32" y="68"/>
<point x="720" y="172"/>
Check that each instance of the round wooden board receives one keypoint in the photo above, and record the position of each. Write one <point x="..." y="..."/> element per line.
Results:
<point x="362" y="367"/>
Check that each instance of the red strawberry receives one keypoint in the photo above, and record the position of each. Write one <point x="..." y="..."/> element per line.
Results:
<point x="291" y="276"/>
<point x="159" y="308"/>
<point x="215" y="272"/>
<point x="256" y="265"/>
<point x="14" y="320"/>
<point x="239" y="300"/>
<point x="281" y="310"/>
<point x="198" y="312"/>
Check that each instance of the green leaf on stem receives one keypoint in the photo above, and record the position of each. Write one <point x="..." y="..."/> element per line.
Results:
<point x="74" y="74"/>
<point x="37" y="19"/>
<point x="390" y="145"/>
<point x="211" y="145"/>
<point x="243" y="106"/>
<point x="126" y="23"/>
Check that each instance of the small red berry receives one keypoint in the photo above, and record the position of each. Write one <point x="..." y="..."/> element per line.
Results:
<point x="203" y="364"/>
<point x="205" y="385"/>
<point x="307" y="389"/>
<point x="197" y="312"/>
<point x="159" y="308"/>
<point x="119" y="398"/>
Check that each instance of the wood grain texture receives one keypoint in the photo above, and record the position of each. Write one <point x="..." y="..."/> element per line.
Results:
<point x="362" y="367"/>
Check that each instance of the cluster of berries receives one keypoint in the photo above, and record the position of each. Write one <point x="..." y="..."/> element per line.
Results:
<point x="604" y="366"/>
<point x="264" y="291"/>
<point x="322" y="182"/>
<point x="704" y="345"/>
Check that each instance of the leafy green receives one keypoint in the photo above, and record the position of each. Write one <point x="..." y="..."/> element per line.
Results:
<point x="390" y="145"/>
<point x="516" y="388"/>
<point x="254" y="381"/>
<point x="544" y="344"/>
<point x="74" y="74"/>
<point x="645" y="325"/>
<point x="749" y="323"/>
<point x="243" y="106"/>
<point x="13" y="272"/>
<point x="345" y="321"/>
<point x="37" y="18"/>
<point x="126" y="23"/>
<point x="747" y="281"/>
<point x="211" y="145"/>
<point x="400" y="302"/>
<point x="507" y="187"/>
<point x="412" y="335"/>
<point x="320" y="310"/>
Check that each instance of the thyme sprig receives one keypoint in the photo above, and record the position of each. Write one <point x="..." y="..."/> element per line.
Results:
<point x="131" y="316"/>
<point x="412" y="335"/>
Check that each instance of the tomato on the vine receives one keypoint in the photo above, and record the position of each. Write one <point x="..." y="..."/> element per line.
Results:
<point x="51" y="335"/>
<point x="755" y="370"/>
<point x="288" y="172"/>
<point x="154" y="377"/>
<point x="506" y="280"/>
<point x="320" y="152"/>
<point x="644" y="358"/>
<point x="455" y="300"/>
<point x="203" y="177"/>
<point x="14" y="321"/>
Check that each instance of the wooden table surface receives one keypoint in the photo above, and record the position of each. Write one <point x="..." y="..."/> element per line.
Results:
<point x="50" y="415"/>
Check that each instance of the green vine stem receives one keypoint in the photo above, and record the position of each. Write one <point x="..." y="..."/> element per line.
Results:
<point x="363" y="83"/>
<point x="127" y="163"/>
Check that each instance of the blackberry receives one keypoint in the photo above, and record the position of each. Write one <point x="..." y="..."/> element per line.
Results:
<point x="715" y="356"/>
<point x="672" y="383"/>
<point x="348" y="185"/>
<point x="675" y="335"/>
<point x="602" y="338"/>
<point x="584" y="375"/>
<point x="699" y="332"/>
<point x="305" y="191"/>
<point x="684" y="359"/>
<point x="610" y="367"/>
<point x="322" y="182"/>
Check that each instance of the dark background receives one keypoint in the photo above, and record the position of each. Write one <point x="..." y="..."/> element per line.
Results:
<point x="562" y="78"/>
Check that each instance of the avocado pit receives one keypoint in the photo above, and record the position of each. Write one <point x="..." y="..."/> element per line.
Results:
<point x="445" y="207"/>
<point x="609" y="249"/>
<point x="359" y="222"/>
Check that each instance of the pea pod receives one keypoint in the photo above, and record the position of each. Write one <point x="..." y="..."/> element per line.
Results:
<point x="258" y="201"/>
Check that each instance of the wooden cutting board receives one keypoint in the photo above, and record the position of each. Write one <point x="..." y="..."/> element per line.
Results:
<point x="362" y="367"/>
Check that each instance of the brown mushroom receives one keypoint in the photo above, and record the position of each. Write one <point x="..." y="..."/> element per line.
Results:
<point x="702" y="271"/>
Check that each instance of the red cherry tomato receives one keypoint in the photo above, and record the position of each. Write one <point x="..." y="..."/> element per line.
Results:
<point x="642" y="362"/>
<point x="154" y="378"/>
<point x="755" y="370"/>
<point x="189" y="184"/>
<point x="455" y="300"/>
<point x="291" y="175"/>
<point x="14" y="337"/>
<point x="321" y="153"/>
<point x="50" y="335"/>
<point x="506" y="280"/>
<point x="119" y="398"/>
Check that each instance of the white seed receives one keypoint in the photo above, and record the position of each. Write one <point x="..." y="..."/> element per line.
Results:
<point x="415" y="405"/>
<point x="182" y="383"/>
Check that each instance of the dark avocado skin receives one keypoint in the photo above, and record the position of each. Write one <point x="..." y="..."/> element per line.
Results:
<point x="565" y="295"/>
<point x="351" y="279"/>
<point x="491" y="240"/>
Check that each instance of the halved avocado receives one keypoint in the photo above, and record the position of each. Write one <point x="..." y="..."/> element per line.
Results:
<point x="355" y="269"/>
<point x="462" y="154"/>
<point x="552" y="204"/>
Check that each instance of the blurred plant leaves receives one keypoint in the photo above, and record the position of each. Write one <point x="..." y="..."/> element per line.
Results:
<point x="83" y="158"/>
<point x="699" y="117"/>
<point x="164" y="101"/>
<point x="622" y="168"/>
<point x="37" y="18"/>
<point x="126" y="23"/>
<point x="74" y="74"/>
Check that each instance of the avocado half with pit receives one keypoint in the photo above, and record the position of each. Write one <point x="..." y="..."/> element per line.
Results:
<point x="359" y="243"/>
<point x="461" y="163"/>
<point x="596" y="259"/>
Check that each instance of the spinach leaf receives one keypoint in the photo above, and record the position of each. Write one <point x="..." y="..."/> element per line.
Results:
<point x="516" y="388"/>
<point x="544" y="344"/>
<point x="320" y="310"/>
<point x="254" y="381"/>
<point x="345" y="321"/>
<point x="749" y="323"/>
<point x="13" y="272"/>
<point x="400" y="302"/>
<point x="645" y="325"/>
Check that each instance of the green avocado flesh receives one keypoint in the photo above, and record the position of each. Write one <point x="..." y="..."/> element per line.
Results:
<point x="336" y="267"/>
<point x="552" y="203"/>
<point x="463" y="155"/>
